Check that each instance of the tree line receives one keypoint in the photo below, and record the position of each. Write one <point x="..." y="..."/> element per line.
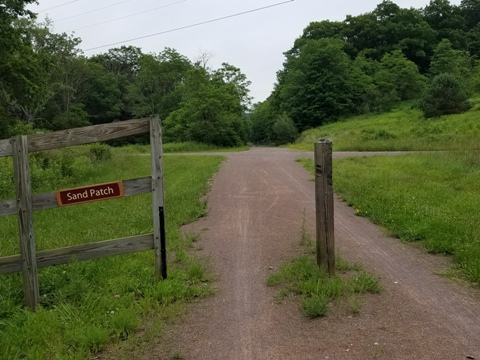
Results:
<point x="371" y="63"/>
<point x="46" y="84"/>
<point x="366" y="63"/>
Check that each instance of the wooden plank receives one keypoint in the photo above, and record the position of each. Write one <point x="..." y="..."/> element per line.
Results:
<point x="5" y="147"/>
<point x="25" y="221"/>
<point x="158" y="201"/>
<point x="81" y="252"/>
<point x="325" y="242"/>
<point x="49" y="200"/>
<point x="80" y="136"/>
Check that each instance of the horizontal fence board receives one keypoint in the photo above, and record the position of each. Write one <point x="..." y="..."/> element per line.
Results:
<point x="81" y="252"/>
<point x="10" y="264"/>
<point x="5" y="147"/>
<point x="80" y="136"/>
<point x="49" y="200"/>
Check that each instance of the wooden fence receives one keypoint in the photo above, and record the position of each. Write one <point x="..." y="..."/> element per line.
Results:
<point x="29" y="260"/>
<point x="325" y="238"/>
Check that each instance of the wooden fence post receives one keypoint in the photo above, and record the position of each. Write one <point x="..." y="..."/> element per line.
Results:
<point x="25" y="220"/>
<point x="325" y="241"/>
<point x="158" y="201"/>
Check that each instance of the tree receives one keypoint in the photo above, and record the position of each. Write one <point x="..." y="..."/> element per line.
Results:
<point x="237" y="83"/>
<point x="262" y="119"/>
<point x="447" y="20"/>
<point x="101" y="94"/>
<point x="10" y="36"/>
<point x="320" y="85"/>
<point x="401" y="74"/>
<point x="447" y="60"/>
<point x="123" y="64"/>
<point x="471" y="12"/>
<point x="123" y="60"/>
<point x="210" y="112"/>
<point x="444" y="96"/>
<point x="473" y="42"/>
<point x="284" y="130"/>
<point x="155" y="88"/>
<point x="40" y="64"/>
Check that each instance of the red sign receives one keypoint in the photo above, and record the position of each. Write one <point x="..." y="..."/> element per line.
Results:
<point x="90" y="193"/>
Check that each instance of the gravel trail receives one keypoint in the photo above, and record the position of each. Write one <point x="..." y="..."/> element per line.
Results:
<point x="256" y="206"/>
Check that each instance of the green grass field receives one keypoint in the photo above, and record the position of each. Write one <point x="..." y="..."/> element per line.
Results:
<point x="402" y="129"/>
<point x="87" y="305"/>
<point x="432" y="199"/>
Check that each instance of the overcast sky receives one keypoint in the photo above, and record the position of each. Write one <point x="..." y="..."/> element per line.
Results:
<point x="254" y="41"/>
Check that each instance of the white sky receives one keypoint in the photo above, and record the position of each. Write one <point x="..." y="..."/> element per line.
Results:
<point x="253" y="42"/>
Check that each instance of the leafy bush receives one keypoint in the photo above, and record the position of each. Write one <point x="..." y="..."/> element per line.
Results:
<point x="444" y="96"/>
<point x="100" y="152"/>
<point x="284" y="130"/>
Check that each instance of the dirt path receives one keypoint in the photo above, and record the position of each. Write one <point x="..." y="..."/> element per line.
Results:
<point x="256" y="207"/>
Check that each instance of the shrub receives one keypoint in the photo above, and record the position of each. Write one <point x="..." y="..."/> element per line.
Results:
<point x="444" y="96"/>
<point x="284" y="130"/>
<point x="100" y="152"/>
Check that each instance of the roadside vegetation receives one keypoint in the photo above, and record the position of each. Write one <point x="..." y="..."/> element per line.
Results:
<point x="371" y="63"/>
<point x="87" y="305"/>
<point x="186" y="147"/>
<point x="317" y="290"/>
<point x="430" y="199"/>
<point x="402" y="129"/>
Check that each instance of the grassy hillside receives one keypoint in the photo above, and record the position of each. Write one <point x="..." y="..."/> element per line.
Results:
<point x="401" y="129"/>
<point x="86" y="305"/>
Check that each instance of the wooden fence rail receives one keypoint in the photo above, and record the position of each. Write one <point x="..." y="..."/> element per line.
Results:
<point x="29" y="260"/>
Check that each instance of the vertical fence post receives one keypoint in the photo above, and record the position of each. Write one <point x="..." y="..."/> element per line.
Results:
<point x="325" y="241"/>
<point x="158" y="201"/>
<point x="25" y="220"/>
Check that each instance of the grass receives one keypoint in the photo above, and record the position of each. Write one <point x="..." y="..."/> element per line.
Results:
<point x="403" y="129"/>
<point x="430" y="199"/>
<point x="317" y="290"/>
<point x="87" y="305"/>
<point x="186" y="147"/>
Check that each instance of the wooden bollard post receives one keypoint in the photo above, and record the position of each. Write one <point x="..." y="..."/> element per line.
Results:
<point x="325" y="241"/>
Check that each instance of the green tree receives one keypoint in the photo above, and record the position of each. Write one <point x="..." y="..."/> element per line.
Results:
<point x="401" y="74"/>
<point x="262" y="119"/>
<point x="123" y="64"/>
<point x="10" y="35"/>
<point x="444" y="96"/>
<point x="101" y="94"/>
<point x="40" y="69"/>
<point x="471" y="12"/>
<point x="156" y="87"/>
<point x="232" y="78"/>
<point x="284" y="130"/>
<point x="447" y="60"/>
<point x="210" y="112"/>
<point x="320" y="85"/>
<point x="447" y="20"/>
<point x="473" y="42"/>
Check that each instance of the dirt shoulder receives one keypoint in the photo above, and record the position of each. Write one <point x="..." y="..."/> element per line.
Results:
<point x="256" y="207"/>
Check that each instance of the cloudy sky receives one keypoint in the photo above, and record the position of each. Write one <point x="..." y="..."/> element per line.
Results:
<point x="250" y="34"/>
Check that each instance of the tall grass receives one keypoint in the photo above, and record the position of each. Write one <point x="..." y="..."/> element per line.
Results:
<point x="86" y="305"/>
<point x="403" y="129"/>
<point x="433" y="199"/>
